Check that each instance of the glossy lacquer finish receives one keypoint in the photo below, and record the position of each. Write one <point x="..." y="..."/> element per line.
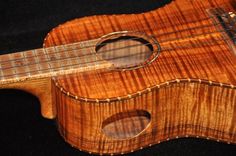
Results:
<point x="187" y="91"/>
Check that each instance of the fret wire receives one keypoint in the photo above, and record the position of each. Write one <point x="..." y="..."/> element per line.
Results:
<point x="58" y="68"/>
<point x="2" y="74"/>
<point x="82" y="45"/>
<point x="13" y="66"/>
<point x="48" y="59"/>
<point x="57" y="56"/>
<point x="163" y="34"/>
<point x="67" y="56"/>
<point x="95" y="57"/>
<point x="90" y="52"/>
<point x="74" y="51"/>
<point x="36" y="58"/>
<point x="27" y="67"/>
<point x="43" y="64"/>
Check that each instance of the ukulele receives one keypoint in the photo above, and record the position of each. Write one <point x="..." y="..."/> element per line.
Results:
<point x="120" y="83"/>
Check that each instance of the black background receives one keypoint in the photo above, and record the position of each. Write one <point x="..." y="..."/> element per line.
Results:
<point x="23" y="131"/>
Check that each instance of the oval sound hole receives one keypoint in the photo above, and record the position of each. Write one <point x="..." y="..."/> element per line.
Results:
<point x="126" y="125"/>
<point x="125" y="51"/>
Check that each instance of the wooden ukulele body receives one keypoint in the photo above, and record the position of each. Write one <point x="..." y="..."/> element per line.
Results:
<point x="188" y="91"/>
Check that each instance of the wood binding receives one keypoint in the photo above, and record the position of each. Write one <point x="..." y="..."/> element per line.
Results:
<point x="188" y="91"/>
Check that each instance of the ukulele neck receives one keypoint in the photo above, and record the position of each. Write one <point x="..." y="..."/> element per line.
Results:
<point x="49" y="62"/>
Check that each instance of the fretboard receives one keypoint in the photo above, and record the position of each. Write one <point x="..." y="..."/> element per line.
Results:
<point x="51" y="61"/>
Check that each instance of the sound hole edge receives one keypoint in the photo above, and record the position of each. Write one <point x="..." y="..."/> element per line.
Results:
<point x="127" y="50"/>
<point x="126" y="125"/>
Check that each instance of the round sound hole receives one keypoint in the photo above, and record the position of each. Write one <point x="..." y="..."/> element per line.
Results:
<point x="126" y="124"/>
<point x="124" y="51"/>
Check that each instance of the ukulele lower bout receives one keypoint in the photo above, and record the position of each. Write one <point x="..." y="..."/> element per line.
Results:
<point x="175" y="109"/>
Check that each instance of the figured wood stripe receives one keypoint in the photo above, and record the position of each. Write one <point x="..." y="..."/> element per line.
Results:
<point x="177" y="110"/>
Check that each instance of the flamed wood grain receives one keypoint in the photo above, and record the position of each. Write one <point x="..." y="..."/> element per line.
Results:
<point x="177" y="110"/>
<point x="188" y="91"/>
